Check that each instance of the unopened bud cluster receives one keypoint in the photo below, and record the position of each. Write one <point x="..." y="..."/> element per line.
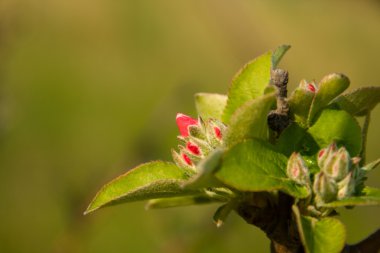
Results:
<point x="339" y="176"/>
<point x="197" y="139"/>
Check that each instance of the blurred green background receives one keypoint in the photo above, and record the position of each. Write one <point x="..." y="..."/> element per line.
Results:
<point x="88" y="89"/>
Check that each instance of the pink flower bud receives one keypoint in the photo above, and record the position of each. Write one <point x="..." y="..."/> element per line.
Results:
<point x="325" y="188"/>
<point x="297" y="169"/>
<point x="187" y="159"/>
<point x="311" y="87"/>
<point x="193" y="148"/>
<point x="308" y="86"/>
<point x="324" y="155"/>
<point x="218" y="133"/>
<point x="183" y="122"/>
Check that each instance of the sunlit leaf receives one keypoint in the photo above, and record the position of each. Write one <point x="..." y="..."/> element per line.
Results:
<point x="210" y="105"/>
<point x="254" y="165"/>
<point x="250" y="120"/>
<point x="320" y="236"/>
<point x="147" y="181"/>
<point x="249" y="83"/>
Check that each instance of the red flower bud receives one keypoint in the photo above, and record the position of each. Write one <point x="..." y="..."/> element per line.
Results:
<point x="311" y="87"/>
<point x="187" y="159"/>
<point x="218" y="133"/>
<point x="183" y="122"/>
<point x="193" y="148"/>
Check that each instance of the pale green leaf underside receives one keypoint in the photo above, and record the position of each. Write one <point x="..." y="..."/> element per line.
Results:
<point x="321" y="236"/>
<point x="339" y="126"/>
<point x="359" y="101"/>
<point x="253" y="165"/>
<point x="249" y="83"/>
<point x="328" y="89"/>
<point x="147" y="181"/>
<point x="250" y="120"/>
<point x="197" y="199"/>
<point x="210" y="105"/>
<point x="370" y="197"/>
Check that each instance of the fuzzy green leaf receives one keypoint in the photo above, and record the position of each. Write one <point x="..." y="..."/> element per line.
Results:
<point x="250" y="120"/>
<point x="249" y="83"/>
<point x="328" y="89"/>
<point x="278" y="53"/>
<point x="320" y="236"/>
<point x="339" y="126"/>
<point x="369" y="197"/>
<point x="147" y="181"/>
<point x="205" y="169"/>
<point x="359" y="101"/>
<point x="223" y="212"/>
<point x="372" y="165"/>
<point x="210" y="105"/>
<point x="299" y="103"/>
<point x="290" y="139"/>
<point x="254" y="165"/>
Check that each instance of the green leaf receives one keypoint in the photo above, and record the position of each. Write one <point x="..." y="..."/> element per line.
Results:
<point x="339" y="126"/>
<point x="147" y="181"/>
<point x="328" y="89"/>
<point x="249" y="83"/>
<point x="223" y="212"/>
<point x="291" y="139"/>
<point x="210" y="105"/>
<point x="372" y="165"/>
<point x="197" y="199"/>
<point x="320" y="236"/>
<point x="299" y="103"/>
<point x="205" y="169"/>
<point x="278" y="53"/>
<point x="370" y="197"/>
<point x="359" y="101"/>
<point x="250" y="120"/>
<point x="254" y="165"/>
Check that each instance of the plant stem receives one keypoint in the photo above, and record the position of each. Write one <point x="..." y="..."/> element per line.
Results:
<point x="364" y="138"/>
<point x="371" y="244"/>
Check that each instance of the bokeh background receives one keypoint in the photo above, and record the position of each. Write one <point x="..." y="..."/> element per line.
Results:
<point x="88" y="89"/>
